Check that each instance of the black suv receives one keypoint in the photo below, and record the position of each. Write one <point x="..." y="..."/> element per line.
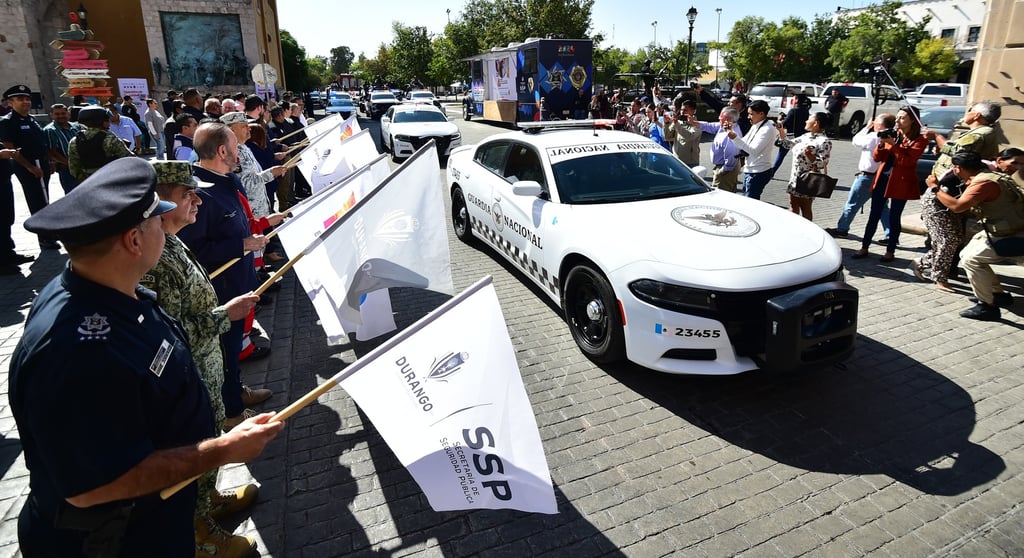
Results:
<point x="378" y="102"/>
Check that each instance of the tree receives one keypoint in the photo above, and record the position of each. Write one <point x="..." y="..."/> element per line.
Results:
<point x="750" y="51"/>
<point x="876" y="32"/>
<point x="444" y="66"/>
<point x="411" y="53"/>
<point x="500" y="22"/>
<point x="608" y="62"/>
<point x="933" y="60"/>
<point x="296" y="77"/>
<point x="341" y="60"/>
<point x="320" y="73"/>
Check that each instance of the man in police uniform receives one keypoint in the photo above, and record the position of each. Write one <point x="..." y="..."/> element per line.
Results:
<point x="109" y="405"/>
<point x="9" y="259"/>
<point x="19" y="130"/>
<point x="94" y="146"/>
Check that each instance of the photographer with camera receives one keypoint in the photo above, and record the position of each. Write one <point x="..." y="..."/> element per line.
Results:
<point x="895" y="179"/>
<point x="998" y="203"/>
<point x="794" y="123"/>
<point x="946" y="229"/>
<point x="757" y="149"/>
<point x="860" y="190"/>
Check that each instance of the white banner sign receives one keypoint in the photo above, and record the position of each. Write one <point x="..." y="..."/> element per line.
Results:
<point x="449" y="401"/>
<point x="136" y="88"/>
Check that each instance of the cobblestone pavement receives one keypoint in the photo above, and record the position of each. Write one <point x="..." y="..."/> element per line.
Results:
<point x="913" y="447"/>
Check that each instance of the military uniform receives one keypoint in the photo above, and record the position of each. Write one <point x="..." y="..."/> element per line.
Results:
<point x="85" y="161"/>
<point x="185" y="292"/>
<point x="101" y="380"/>
<point x="215" y="238"/>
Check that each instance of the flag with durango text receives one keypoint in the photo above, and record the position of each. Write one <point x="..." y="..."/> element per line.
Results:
<point x="447" y="396"/>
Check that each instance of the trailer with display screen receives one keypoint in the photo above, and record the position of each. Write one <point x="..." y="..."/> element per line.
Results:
<point x="538" y="79"/>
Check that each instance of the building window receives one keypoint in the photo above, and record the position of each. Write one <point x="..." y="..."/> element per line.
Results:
<point x="948" y="35"/>
<point x="973" y="34"/>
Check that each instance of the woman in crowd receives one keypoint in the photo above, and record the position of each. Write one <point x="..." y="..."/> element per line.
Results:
<point x="895" y="179"/>
<point x="265" y="156"/>
<point x="795" y="124"/>
<point x="811" y="153"/>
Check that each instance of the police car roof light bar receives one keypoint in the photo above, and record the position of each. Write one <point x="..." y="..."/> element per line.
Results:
<point x="537" y="127"/>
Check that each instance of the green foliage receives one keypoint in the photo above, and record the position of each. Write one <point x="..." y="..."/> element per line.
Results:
<point x="933" y="60"/>
<point x="876" y="32"/>
<point x="341" y="60"/>
<point x="750" y="52"/>
<point x="444" y="66"/>
<point x="411" y="52"/>
<point x="320" y="73"/>
<point x="296" y="76"/>
<point x="608" y="62"/>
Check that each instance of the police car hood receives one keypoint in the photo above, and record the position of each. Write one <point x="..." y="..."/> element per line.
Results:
<point x="715" y="231"/>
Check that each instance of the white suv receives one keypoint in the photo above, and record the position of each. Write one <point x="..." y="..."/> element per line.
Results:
<point x="780" y="94"/>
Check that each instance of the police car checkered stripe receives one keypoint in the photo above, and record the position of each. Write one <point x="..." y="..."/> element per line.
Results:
<point x="528" y="265"/>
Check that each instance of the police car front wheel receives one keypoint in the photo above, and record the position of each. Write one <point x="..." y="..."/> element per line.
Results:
<point x="593" y="315"/>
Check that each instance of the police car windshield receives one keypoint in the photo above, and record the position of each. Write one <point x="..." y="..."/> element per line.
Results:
<point x="419" y="116"/>
<point x="624" y="177"/>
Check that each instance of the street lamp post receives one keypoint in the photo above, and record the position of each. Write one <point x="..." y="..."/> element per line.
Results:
<point x="448" y="12"/>
<point x="718" y="46"/>
<point x="691" y="15"/>
<point x="654" y="24"/>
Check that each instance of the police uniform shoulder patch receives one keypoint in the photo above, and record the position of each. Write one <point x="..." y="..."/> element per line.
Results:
<point x="94" y="328"/>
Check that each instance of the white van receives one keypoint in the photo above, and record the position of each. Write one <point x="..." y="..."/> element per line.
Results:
<point x="780" y="94"/>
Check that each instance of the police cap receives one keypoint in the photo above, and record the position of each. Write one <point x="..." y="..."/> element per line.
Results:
<point x="93" y="115"/>
<point x="17" y="91"/>
<point x="117" y="197"/>
<point x="234" y="118"/>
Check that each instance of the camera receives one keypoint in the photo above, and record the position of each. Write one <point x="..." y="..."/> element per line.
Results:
<point x="887" y="133"/>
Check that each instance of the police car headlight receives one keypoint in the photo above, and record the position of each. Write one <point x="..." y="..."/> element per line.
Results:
<point x="672" y="297"/>
<point x="403" y="137"/>
<point x="457" y="136"/>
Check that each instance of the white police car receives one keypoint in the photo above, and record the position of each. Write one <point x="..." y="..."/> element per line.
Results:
<point x="407" y="127"/>
<point x="646" y="261"/>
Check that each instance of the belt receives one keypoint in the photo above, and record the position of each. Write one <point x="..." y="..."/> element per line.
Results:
<point x="863" y="173"/>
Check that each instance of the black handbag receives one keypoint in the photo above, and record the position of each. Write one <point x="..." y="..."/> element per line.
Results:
<point x="816" y="184"/>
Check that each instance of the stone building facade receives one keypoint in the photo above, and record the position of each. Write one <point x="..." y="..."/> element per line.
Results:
<point x="133" y="35"/>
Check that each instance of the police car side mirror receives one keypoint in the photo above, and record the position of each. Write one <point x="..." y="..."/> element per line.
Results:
<point x="530" y="188"/>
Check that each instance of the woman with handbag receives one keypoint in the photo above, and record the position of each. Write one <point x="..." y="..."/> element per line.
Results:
<point x="895" y="179"/>
<point x="811" y="153"/>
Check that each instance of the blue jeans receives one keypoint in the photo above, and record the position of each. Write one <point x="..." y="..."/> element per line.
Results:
<point x="895" y="214"/>
<point x="161" y="146"/>
<point x="779" y="158"/>
<point x="753" y="184"/>
<point x="860" y="193"/>
<point x="67" y="180"/>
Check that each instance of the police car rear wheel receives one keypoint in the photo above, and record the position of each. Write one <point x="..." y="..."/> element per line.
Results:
<point x="593" y="315"/>
<point x="460" y="217"/>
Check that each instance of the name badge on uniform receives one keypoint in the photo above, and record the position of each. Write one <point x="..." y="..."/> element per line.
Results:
<point x="163" y="354"/>
<point x="26" y="127"/>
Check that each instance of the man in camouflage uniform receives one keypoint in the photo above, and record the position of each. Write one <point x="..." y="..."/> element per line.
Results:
<point x="184" y="291"/>
<point x="95" y="146"/>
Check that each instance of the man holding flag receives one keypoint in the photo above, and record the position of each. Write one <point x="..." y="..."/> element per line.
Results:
<point x="220" y="234"/>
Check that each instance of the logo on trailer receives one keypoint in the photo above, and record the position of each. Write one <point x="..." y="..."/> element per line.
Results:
<point x="578" y="76"/>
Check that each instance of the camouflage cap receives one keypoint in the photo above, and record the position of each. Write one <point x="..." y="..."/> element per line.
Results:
<point x="177" y="172"/>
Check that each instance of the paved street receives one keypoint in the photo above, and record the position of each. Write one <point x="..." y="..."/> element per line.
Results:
<point x="912" y="448"/>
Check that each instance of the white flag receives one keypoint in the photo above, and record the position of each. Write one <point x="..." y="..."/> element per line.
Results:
<point x="395" y="236"/>
<point x="447" y="397"/>
<point x="335" y="154"/>
<point x="317" y="128"/>
<point x="309" y="221"/>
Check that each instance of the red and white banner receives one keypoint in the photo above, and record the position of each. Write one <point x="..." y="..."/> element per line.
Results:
<point x="447" y="397"/>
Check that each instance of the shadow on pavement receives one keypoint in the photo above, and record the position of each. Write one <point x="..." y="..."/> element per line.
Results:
<point x="322" y="491"/>
<point x="10" y="449"/>
<point x="880" y="413"/>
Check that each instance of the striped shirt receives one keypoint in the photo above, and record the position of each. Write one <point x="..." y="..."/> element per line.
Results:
<point x="58" y="137"/>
